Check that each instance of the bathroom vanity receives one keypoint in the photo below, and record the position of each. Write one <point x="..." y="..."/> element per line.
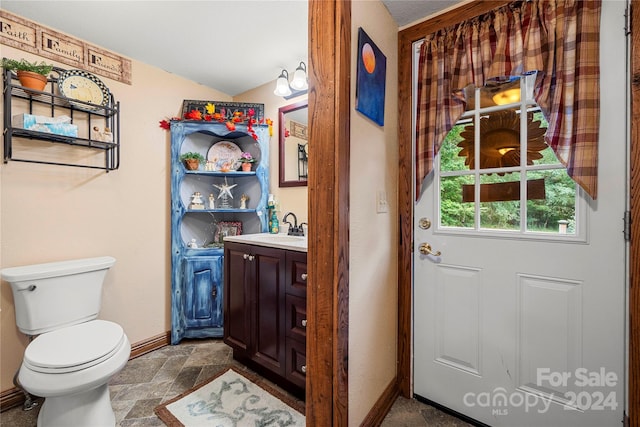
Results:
<point x="265" y="294"/>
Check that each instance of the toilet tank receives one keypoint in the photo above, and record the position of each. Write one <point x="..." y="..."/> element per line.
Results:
<point x="57" y="294"/>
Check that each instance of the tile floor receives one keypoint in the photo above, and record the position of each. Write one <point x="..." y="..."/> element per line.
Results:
<point x="162" y="374"/>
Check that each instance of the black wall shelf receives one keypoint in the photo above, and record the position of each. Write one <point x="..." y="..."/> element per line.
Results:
<point x="17" y="100"/>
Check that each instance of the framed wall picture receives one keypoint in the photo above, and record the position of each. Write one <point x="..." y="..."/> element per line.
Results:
<point x="370" y="79"/>
<point x="298" y="130"/>
<point x="227" y="228"/>
<point x="226" y="109"/>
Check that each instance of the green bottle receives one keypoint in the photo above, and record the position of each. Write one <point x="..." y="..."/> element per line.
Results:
<point x="275" y="225"/>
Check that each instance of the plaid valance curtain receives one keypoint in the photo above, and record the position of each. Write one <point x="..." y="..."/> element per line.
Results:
<point x="557" y="38"/>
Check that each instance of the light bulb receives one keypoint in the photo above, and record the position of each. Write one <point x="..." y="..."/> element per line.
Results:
<point x="282" y="84"/>
<point x="299" y="81"/>
<point x="508" y="96"/>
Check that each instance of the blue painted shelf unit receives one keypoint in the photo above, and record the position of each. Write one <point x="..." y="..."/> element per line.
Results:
<point x="197" y="272"/>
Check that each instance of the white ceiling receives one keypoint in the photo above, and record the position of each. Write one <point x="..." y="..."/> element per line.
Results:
<point x="232" y="46"/>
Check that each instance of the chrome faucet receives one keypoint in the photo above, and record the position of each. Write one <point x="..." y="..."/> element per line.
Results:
<point x="294" y="230"/>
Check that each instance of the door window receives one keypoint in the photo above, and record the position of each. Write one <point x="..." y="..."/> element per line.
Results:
<point x="496" y="175"/>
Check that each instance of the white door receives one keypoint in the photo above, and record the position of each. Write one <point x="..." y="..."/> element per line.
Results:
<point x="522" y="328"/>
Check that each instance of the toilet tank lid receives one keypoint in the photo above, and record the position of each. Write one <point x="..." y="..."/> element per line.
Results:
<point x="53" y="269"/>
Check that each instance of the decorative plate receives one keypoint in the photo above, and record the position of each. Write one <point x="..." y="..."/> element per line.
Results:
<point x="83" y="86"/>
<point x="225" y="156"/>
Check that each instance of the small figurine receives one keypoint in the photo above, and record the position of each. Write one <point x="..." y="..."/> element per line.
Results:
<point x="243" y="201"/>
<point x="102" y="136"/>
<point x="196" y="201"/>
<point x="107" y="136"/>
<point x="212" y="200"/>
<point x="192" y="244"/>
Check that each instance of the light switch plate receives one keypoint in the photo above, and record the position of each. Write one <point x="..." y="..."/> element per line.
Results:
<point x="381" y="202"/>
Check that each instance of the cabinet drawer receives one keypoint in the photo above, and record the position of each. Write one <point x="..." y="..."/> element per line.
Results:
<point x="296" y="362"/>
<point x="296" y="317"/>
<point x="296" y="282"/>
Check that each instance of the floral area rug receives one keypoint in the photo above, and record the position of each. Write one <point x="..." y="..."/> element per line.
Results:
<point x="231" y="399"/>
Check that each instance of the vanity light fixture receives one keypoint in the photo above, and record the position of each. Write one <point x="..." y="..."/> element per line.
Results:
<point x="282" y="84"/>
<point x="298" y="85"/>
<point x="299" y="81"/>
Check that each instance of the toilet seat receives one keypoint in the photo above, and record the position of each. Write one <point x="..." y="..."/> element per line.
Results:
<point x="74" y="348"/>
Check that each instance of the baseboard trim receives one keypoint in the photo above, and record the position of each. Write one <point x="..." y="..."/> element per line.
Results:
<point x="14" y="396"/>
<point x="11" y="398"/>
<point x="382" y="406"/>
<point x="143" y="347"/>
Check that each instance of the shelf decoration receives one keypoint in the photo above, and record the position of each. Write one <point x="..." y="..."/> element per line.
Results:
<point x="224" y="156"/>
<point x="196" y="201"/>
<point x="225" y="194"/>
<point x="192" y="160"/>
<point x="227" y="228"/>
<point x="237" y="117"/>
<point x="246" y="159"/>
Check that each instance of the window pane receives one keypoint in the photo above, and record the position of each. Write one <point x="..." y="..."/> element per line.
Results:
<point x="550" y="194"/>
<point x="544" y="156"/>
<point x="450" y="160"/>
<point x="556" y="213"/>
<point x="453" y="211"/>
<point x="500" y="201"/>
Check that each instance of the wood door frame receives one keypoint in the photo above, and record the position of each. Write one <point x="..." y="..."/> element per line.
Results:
<point x="406" y="38"/>
<point x="328" y="184"/>
<point x="634" y="248"/>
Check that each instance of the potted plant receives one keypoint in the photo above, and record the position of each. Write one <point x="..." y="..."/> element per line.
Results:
<point x="192" y="160"/>
<point x="32" y="75"/>
<point x="246" y="159"/>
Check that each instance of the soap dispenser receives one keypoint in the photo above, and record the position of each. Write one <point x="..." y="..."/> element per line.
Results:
<point x="275" y="225"/>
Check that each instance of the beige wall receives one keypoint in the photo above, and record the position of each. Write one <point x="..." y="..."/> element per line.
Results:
<point x="51" y="213"/>
<point x="373" y="237"/>
<point x="292" y="199"/>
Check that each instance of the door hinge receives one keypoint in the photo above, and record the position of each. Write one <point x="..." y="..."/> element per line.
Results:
<point x="627" y="226"/>
<point x="627" y="21"/>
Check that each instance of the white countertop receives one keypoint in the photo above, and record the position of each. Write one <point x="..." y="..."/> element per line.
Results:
<point x="280" y="241"/>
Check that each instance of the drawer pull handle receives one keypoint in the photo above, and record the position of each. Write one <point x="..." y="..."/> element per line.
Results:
<point x="251" y="257"/>
<point x="304" y="323"/>
<point x="245" y="256"/>
<point x="303" y="368"/>
<point x="304" y="276"/>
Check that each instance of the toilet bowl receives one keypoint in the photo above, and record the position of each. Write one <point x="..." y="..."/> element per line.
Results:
<point x="74" y="354"/>
<point x="70" y="368"/>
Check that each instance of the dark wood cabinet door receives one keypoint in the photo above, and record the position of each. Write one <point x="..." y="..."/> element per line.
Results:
<point x="269" y="321"/>
<point x="237" y="298"/>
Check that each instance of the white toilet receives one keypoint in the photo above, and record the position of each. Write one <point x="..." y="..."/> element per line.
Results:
<point x="74" y="355"/>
